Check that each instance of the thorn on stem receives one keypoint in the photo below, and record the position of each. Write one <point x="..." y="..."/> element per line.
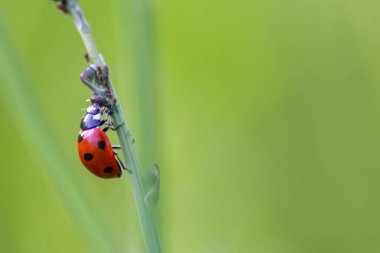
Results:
<point x="152" y="180"/>
<point x="86" y="57"/>
<point x="62" y="5"/>
<point x="114" y="101"/>
<point x="98" y="69"/>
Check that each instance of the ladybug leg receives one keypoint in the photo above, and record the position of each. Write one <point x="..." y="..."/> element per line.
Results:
<point x="116" y="147"/>
<point x="102" y="122"/>
<point x="121" y="163"/>
<point x="112" y="127"/>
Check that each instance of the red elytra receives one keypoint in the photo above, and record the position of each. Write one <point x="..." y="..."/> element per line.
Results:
<point x="95" y="152"/>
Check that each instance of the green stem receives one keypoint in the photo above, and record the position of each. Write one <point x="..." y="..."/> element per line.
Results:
<point x="146" y="212"/>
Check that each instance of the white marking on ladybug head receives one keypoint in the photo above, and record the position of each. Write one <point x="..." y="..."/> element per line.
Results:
<point x="96" y="117"/>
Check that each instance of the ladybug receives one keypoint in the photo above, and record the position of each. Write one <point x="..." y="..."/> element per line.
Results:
<point x="94" y="148"/>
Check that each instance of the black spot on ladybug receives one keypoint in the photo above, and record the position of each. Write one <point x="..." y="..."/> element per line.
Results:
<point x="108" y="169"/>
<point x="80" y="138"/>
<point x="88" y="156"/>
<point x="101" y="145"/>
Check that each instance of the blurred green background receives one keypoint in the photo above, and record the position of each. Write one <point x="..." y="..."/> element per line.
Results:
<point x="267" y="126"/>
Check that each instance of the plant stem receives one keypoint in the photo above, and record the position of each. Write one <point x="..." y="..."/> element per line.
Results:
<point x="146" y="212"/>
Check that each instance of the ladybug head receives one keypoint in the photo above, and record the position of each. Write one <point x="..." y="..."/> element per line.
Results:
<point x="92" y="118"/>
<point x="99" y="106"/>
<point x="93" y="109"/>
<point x="101" y="102"/>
